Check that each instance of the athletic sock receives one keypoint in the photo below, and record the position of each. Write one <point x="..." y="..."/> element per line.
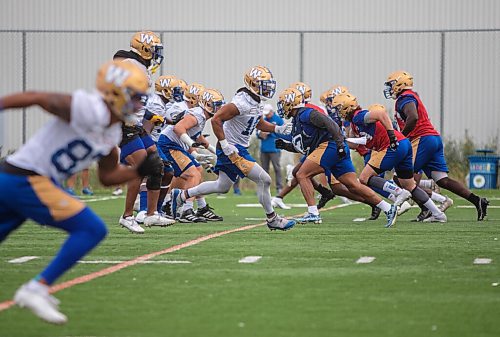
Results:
<point x="438" y="197"/>
<point x="188" y="205"/>
<point x="201" y="202"/>
<point x="313" y="210"/>
<point x="474" y="199"/>
<point x="384" y="205"/>
<point x="143" y="200"/>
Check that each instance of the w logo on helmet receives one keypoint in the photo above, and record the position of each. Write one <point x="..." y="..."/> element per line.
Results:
<point x="207" y="96"/>
<point x="146" y="38"/>
<point x="194" y="90"/>
<point x="116" y="75"/>
<point x="290" y="98"/>
<point x="165" y="82"/>
<point x="255" y="72"/>
<point x="301" y="88"/>
<point x="337" y="91"/>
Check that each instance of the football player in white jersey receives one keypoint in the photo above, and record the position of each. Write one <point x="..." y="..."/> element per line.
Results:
<point x="86" y="128"/>
<point x="175" y="143"/>
<point x="233" y="125"/>
<point x="146" y="51"/>
<point x="168" y="91"/>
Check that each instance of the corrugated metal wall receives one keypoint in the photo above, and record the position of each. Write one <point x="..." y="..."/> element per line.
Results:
<point x="353" y="43"/>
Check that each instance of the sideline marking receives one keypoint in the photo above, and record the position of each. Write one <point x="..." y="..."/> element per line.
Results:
<point x="366" y="259"/>
<point x="109" y="270"/>
<point x="101" y="199"/>
<point x="250" y="259"/>
<point x="472" y="206"/>
<point x="482" y="260"/>
<point x="23" y="259"/>
<point x="359" y="219"/>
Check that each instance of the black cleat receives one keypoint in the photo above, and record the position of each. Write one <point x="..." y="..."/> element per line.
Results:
<point x="326" y="195"/>
<point x="482" y="209"/>
<point x="424" y="214"/>
<point x="188" y="216"/>
<point x="375" y="213"/>
<point x="167" y="211"/>
<point x="207" y="214"/>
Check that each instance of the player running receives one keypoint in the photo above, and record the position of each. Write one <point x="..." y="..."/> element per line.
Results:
<point x="86" y="128"/>
<point x="233" y="126"/>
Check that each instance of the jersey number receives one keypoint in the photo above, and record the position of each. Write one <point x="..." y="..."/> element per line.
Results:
<point x="252" y="123"/>
<point x="66" y="158"/>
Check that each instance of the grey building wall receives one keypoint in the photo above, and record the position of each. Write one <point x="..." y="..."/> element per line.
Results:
<point x="323" y="42"/>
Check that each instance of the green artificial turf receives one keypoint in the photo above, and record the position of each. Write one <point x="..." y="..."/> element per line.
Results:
<point x="422" y="282"/>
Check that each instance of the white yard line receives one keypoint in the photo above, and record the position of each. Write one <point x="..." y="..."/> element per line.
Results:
<point x="250" y="259"/>
<point x="141" y="262"/>
<point x="365" y="259"/>
<point x="23" y="259"/>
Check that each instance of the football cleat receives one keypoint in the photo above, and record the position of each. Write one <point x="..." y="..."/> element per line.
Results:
<point x="188" y="216"/>
<point x="424" y="214"/>
<point x="118" y="191"/>
<point x="405" y="207"/>
<point x="207" y="214"/>
<point x="157" y="220"/>
<point x="437" y="218"/>
<point x="326" y="195"/>
<point x="404" y="196"/>
<point x="139" y="218"/>
<point x="310" y="218"/>
<point x="482" y="209"/>
<point x="130" y="223"/>
<point x="176" y="201"/>
<point x="278" y="202"/>
<point x="375" y="213"/>
<point x="87" y="191"/>
<point x="392" y="214"/>
<point x="41" y="303"/>
<point x="445" y="204"/>
<point x="279" y="223"/>
<point x="166" y="209"/>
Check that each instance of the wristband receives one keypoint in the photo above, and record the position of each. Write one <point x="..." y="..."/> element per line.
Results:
<point x="186" y="139"/>
<point x="212" y="149"/>
<point x="223" y="143"/>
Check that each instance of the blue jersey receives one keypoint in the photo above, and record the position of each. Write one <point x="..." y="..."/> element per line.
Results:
<point x="306" y="137"/>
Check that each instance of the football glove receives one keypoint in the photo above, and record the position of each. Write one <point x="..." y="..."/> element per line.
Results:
<point x="393" y="140"/>
<point x="284" y="129"/>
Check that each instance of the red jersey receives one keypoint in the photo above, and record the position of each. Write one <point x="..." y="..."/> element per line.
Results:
<point x="424" y="126"/>
<point x="375" y="133"/>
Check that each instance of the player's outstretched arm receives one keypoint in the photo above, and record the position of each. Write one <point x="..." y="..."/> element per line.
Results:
<point x="225" y="113"/>
<point x="56" y="104"/>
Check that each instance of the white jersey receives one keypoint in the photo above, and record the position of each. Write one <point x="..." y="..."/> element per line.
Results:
<point x="60" y="149"/>
<point x="193" y="132"/>
<point x="156" y="106"/>
<point x="175" y="109"/>
<point x="239" y="128"/>
<point x="140" y="113"/>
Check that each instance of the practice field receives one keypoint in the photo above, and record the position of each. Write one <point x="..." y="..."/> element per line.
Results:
<point x="421" y="282"/>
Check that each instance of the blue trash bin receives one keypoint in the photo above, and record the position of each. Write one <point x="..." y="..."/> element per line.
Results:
<point x="483" y="170"/>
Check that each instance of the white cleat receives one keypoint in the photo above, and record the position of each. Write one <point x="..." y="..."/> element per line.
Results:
<point x="130" y="223"/>
<point x="437" y="218"/>
<point x="41" y="303"/>
<point x="400" y="199"/>
<point x="405" y="207"/>
<point x="157" y="220"/>
<point x="278" y="202"/>
<point x="446" y="204"/>
<point x="139" y="218"/>
<point x="118" y="191"/>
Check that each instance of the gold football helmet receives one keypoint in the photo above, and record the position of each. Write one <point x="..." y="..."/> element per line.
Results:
<point x="148" y="45"/>
<point x="323" y="97"/>
<point x="396" y="83"/>
<point x="260" y="81"/>
<point x="376" y="107"/>
<point x="193" y="92"/>
<point x="304" y="89"/>
<point x="169" y="87"/>
<point x="289" y="99"/>
<point x="334" y="91"/>
<point x="122" y="86"/>
<point x="211" y="100"/>
<point x="345" y="105"/>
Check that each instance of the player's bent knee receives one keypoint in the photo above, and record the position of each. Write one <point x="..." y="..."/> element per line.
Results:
<point x="154" y="182"/>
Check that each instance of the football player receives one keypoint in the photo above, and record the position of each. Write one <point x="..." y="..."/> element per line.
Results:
<point x="175" y="143"/>
<point x="146" y="51"/>
<point x="428" y="152"/>
<point x="233" y="126"/>
<point x="86" y="128"/>
<point x="390" y="150"/>
<point x="321" y="139"/>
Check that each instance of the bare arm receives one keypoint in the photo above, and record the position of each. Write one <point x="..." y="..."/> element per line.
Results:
<point x="381" y="116"/>
<point x="56" y="104"/>
<point x="112" y="173"/>
<point x="410" y="111"/>
<point x="185" y="124"/>
<point x="225" y="113"/>
<point x="265" y="126"/>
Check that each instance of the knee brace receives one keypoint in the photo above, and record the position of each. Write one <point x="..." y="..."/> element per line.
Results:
<point x="153" y="181"/>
